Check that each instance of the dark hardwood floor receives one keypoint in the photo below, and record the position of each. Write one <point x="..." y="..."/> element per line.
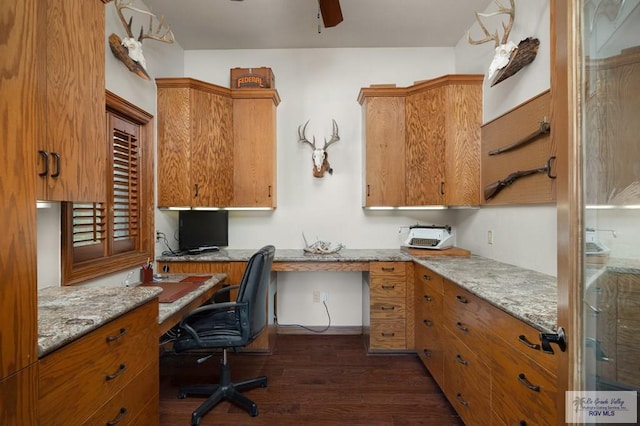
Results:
<point x="313" y="380"/>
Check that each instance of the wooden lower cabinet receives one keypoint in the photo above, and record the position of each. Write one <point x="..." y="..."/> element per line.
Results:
<point x="108" y="375"/>
<point x="22" y="387"/>
<point x="234" y="270"/>
<point x="429" y="289"/>
<point x="388" y="311"/>
<point x="488" y="363"/>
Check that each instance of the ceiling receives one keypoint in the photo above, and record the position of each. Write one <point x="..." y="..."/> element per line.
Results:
<point x="276" y="24"/>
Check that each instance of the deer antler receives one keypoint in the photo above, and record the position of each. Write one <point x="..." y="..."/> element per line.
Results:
<point x="162" y="34"/>
<point x="495" y="37"/>
<point x="303" y="138"/>
<point x="334" y="136"/>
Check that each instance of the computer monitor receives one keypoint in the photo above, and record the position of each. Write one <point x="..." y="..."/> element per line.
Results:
<point x="203" y="228"/>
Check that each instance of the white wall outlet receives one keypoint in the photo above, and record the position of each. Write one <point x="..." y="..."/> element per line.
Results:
<point x="490" y="236"/>
<point x="316" y="296"/>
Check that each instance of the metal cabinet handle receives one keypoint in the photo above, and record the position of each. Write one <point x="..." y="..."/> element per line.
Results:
<point x="388" y="334"/>
<point x="426" y="277"/>
<point x="45" y="157"/>
<point x="387" y="308"/>
<point x="527" y="383"/>
<point x="117" y="373"/>
<point x="523" y="339"/>
<point x="428" y="323"/>
<point x="121" y="333"/>
<point x="388" y="268"/>
<point x="388" y="287"/>
<point x="461" y="327"/>
<point x="460" y="400"/>
<point x="461" y="360"/>
<point x="441" y="188"/>
<point x="427" y="353"/>
<point x="427" y="298"/>
<point x="269" y="191"/>
<point x="196" y="190"/>
<point x="368" y="190"/>
<point x="119" y="417"/>
<point x="462" y="299"/>
<point x="57" y="172"/>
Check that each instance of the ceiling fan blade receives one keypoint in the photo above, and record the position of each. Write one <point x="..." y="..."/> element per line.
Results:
<point x="331" y="12"/>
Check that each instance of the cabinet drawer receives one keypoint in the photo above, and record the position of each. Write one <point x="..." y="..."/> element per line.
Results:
<point x="428" y="281"/>
<point x="388" y="334"/>
<point x="466" y="382"/>
<point x="521" y="389"/>
<point x="430" y="349"/>
<point x="466" y="316"/>
<point x="83" y="375"/>
<point x="523" y="338"/>
<point x="383" y="287"/>
<point x="388" y="308"/>
<point x="388" y="269"/>
<point x="127" y="404"/>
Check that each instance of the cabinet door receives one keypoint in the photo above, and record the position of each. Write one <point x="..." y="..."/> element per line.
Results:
<point x="384" y="162"/>
<point x="462" y="153"/>
<point x="426" y="138"/>
<point x="211" y="154"/>
<point x="75" y="102"/>
<point x="254" y="158"/>
<point x="174" y="146"/>
<point x="18" y="104"/>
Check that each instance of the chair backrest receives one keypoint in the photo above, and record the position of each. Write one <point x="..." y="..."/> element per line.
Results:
<point x="254" y="287"/>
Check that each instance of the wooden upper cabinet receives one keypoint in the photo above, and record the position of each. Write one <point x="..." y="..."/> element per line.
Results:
<point x="254" y="147"/>
<point x="611" y="107"/>
<point x="422" y="143"/>
<point x="444" y="116"/>
<point x="72" y="150"/>
<point x="195" y="144"/>
<point x="384" y="153"/>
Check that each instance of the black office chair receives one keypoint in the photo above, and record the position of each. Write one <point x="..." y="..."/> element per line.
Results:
<point x="229" y="325"/>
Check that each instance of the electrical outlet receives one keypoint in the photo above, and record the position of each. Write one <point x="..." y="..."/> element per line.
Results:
<point x="158" y="236"/>
<point x="324" y="297"/>
<point x="316" y="296"/>
<point x="490" y="236"/>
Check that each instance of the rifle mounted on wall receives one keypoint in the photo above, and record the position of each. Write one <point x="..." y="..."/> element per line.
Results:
<point x="494" y="188"/>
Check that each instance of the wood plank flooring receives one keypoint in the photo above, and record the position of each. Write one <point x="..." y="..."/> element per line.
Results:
<point x="313" y="380"/>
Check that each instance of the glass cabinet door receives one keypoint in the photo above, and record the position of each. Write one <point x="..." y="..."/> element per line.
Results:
<point x="609" y="121"/>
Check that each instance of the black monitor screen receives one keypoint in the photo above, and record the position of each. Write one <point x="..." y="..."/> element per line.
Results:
<point x="203" y="228"/>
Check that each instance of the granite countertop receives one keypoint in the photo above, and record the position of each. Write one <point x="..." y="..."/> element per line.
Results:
<point x="66" y="313"/>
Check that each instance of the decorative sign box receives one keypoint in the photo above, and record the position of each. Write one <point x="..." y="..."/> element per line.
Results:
<point x="252" y="78"/>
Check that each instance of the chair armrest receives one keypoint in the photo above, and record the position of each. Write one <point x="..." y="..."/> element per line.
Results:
<point x="225" y="306"/>
<point x="222" y="291"/>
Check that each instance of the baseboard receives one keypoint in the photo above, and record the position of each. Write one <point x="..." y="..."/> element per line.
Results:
<point x="334" y="330"/>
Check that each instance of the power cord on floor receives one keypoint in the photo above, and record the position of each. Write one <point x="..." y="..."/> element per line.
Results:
<point x="304" y="326"/>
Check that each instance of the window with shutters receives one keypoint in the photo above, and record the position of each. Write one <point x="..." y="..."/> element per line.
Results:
<point x="104" y="237"/>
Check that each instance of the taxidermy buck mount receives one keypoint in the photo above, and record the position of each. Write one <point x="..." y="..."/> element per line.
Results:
<point x="319" y="156"/>
<point x="509" y="58"/>
<point x="129" y="49"/>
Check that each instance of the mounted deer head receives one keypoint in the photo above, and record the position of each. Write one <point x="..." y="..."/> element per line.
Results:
<point x="320" y="162"/>
<point x="506" y="27"/>
<point x="129" y="49"/>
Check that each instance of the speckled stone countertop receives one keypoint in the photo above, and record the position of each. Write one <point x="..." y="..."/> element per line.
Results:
<point x="67" y="313"/>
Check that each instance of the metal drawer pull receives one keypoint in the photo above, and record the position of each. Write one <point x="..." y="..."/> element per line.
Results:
<point x="427" y="353"/>
<point x="427" y="298"/>
<point x="459" y="326"/>
<point x="388" y="268"/>
<point x="462" y="299"/>
<point x="57" y="172"/>
<point x="461" y="360"/>
<point x="122" y="332"/>
<point x="428" y="323"/>
<point x="527" y="383"/>
<point x="387" y="308"/>
<point x="426" y="277"/>
<point x="523" y="339"/>
<point x="388" y="287"/>
<point x="388" y="334"/>
<point x="45" y="157"/>
<point x="117" y="373"/>
<point x="119" y="417"/>
<point x="460" y="400"/>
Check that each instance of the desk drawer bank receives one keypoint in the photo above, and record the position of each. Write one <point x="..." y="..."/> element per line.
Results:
<point x="98" y="356"/>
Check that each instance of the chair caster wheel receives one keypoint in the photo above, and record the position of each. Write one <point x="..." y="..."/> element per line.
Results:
<point x="254" y="412"/>
<point x="182" y="395"/>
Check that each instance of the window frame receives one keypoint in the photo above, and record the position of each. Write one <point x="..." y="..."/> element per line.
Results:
<point x="81" y="271"/>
